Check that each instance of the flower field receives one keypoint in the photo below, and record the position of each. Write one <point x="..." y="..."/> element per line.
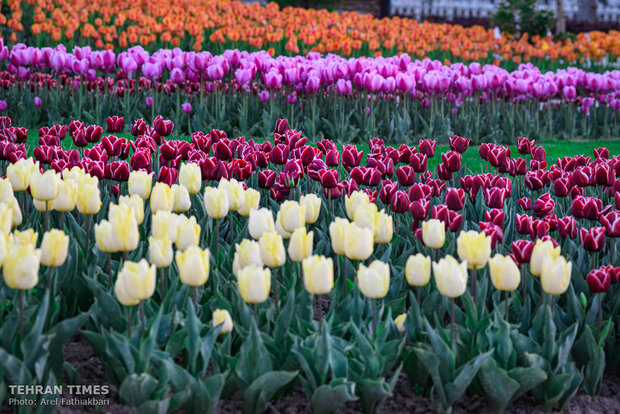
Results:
<point x="234" y="205"/>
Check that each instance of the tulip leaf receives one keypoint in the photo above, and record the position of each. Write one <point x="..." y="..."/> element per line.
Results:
<point x="499" y="388"/>
<point x="466" y="374"/>
<point x="193" y="326"/>
<point x="262" y="390"/>
<point x="137" y="389"/>
<point x="329" y="398"/>
<point x="206" y="348"/>
<point x="254" y="359"/>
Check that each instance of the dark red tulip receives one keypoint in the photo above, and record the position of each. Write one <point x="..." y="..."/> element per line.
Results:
<point x="116" y="190"/>
<point x="611" y="223"/>
<point x="452" y="161"/>
<point x="141" y="160"/>
<point x="443" y="173"/>
<point x="388" y="188"/>
<point x="524" y="146"/>
<point x="266" y="178"/>
<point x="593" y="240"/>
<point x="350" y="186"/>
<point x="543" y="206"/>
<point x="279" y="154"/>
<point x="93" y="133"/>
<point x="523" y="223"/>
<point x="418" y="162"/>
<point x="522" y="249"/>
<point x="540" y="228"/>
<point x="493" y="231"/>
<point x="117" y="171"/>
<point x="455" y="198"/>
<point x="495" y="216"/>
<point x="167" y="175"/>
<point x="222" y="151"/>
<point x="458" y="144"/>
<point x="419" y="209"/>
<point x="115" y="123"/>
<point x="437" y="186"/>
<point x="79" y="138"/>
<point x="538" y="154"/>
<point x="372" y="177"/>
<point x="276" y="195"/>
<point x="328" y="178"/>
<point x="567" y="227"/>
<point x="455" y="221"/>
<point x="94" y="168"/>
<point x="582" y="176"/>
<point x="241" y="169"/>
<point x="599" y="280"/>
<point x="560" y="187"/>
<point x="520" y="167"/>
<point x="332" y="158"/>
<point x="58" y="165"/>
<point x="332" y="193"/>
<point x="604" y="174"/>
<point x="420" y="192"/>
<point x="525" y="203"/>
<point x="495" y="197"/>
<point x="399" y="202"/>
<point x="427" y="147"/>
<point x="306" y="154"/>
<point x="441" y="212"/>
<point x="163" y="127"/>
<point x="281" y="126"/>
<point x="602" y="153"/>
<point x="534" y="181"/>
<point x="351" y="157"/>
<point x="405" y="175"/>
<point x="138" y="127"/>
<point x="586" y="207"/>
<point x="404" y="153"/>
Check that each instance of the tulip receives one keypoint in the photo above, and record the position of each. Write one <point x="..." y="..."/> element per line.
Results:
<point x="374" y="280"/>
<point x="235" y="193"/>
<point x="312" y="207"/>
<point x="505" y="274"/>
<point x="455" y="199"/>
<point x="400" y="322"/>
<point x="260" y="222"/>
<point x="337" y="231"/>
<point x="164" y="225"/>
<point x="20" y="267"/>
<point x="88" y="199"/>
<point x="124" y="228"/>
<point x="354" y="200"/>
<point x="272" y="251"/>
<point x="182" y="201"/>
<point x="246" y="253"/>
<point x="105" y="238"/>
<point x="364" y="215"/>
<point x="188" y="233"/>
<point x="135" y="203"/>
<point x="162" y="198"/>
<point x="193" y="265"/>
<point x="555" y="275"/>
<point x="222" y="317"/>
<point x="418" y="270"/>
<point x="522" y="250"/>
<point x="599" y="280"/>
<point x="135" y="282"/>
<point x="18" y="174"/>
<point x="592" y="240"/>
<point x="46" y="186"/>
<point x="433" y="233"/>
<point x="254" y="284"/>
<point x="252" y="202"/>
<point x="6" y="218"/>
<point x="383" y="227"/>
<point x="292" y="216"/>
<point x="358" y="242"/>
<point x="475" y="248"/>
<point x="450" y="276"/>
<point x="300" y="245"/>
<point x="54" y="248"/>
<point x="140" y="183"/>
<point x="216" y="202"/>
<point x="542" y="249"/>
<point x="318" y="274"/>
<point x="67" y="197"/>
<point x="160" y="252"/>
<point x="28" y="236"/>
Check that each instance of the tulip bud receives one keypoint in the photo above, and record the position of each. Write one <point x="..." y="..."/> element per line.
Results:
<point x="318" y="274"/>
<point x="140" y="183"/>
<point x="182" y="202"/>
<point x="433" y="233"/>
<point x="162" y="198"/>
<point x="374" y="280"/>
<point x="216" y="202"/>
<point x="418" y="270"/>
<point x="354" y="200"/>
<point x="222" y="317"/>
<point x="188" y="233"/>
<point x="124" y="228"/>
<point x="400" y="322"/>
<point x="193" y="266"/>
<point x="254" y="284"/>
<point x="246" y="253"/>
<point x="260" y="222"/>
<point x="272" y="249"/>
<point x="252" y="201"/>
<point x="46" y="186"/>
<point x="384" y="227"/>
<point x="292" y="216"/>
<point x="135" y="282"/>
<point x="300" y="245"/>
<point x="312" y="207"/>
<point x="20" y="267"/>
<point x="160" y="252"/>
<point x="235" y="192"/>
<point x="19" y="174"/>
<point x="450" y="276"/>
<point x="190" y="177"/>
<point x="541" y="250"/>
<point x="105" y="238"/>
<point x="135" y="203"/>
<point x="358" y="242"/>
<point x="88" y="199"/>
<point x="54" y="248"/>
<point x="505" y="274"/>
<point x="475" y="248"/>
<point x="67" y="197"/>
<point x="337" y="231"/>
<point x="555" y="275"/>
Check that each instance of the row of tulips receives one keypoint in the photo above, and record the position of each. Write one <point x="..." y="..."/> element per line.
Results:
<point x="200" y="25"/>
<point x="329" y="95"/>
<point x="223" y="257"/>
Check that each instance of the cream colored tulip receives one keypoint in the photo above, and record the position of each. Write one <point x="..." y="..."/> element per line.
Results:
<point x="88" y="199"/>
<point x="54" y="248"/>
<point x="138" y="280"/>
<point x="555" y="275"/>
<point x="505" y="274"/>
<point x="358" y="242"/>
<point x="160" y="252"/>
<point x="400" y="322"/>
<point x="182" y="201"/>
<point x="222" y="317"/>
<point x="188" y="233"/>
<point x="16" y="212"/>
<point x="474" y="247"/>
<point x="542" y="250"/>
<point x="136" y="204"/>
<point x="19" y="174"/>
<point x="434" y="233"/>
<point x="140" y="184"/>
<point x="6" y="190"/>
<point x="20" y="267"/>
<point x="124" y="228"/>
<point x="279" y="229"/>
<point x="312" y="207"/>
<point x="164" y="225"/>
<point x="246" y="253"/>
<point x="46" y="186"/>
<point x="67" y="198"/>
<point x="4" y="247"/>
<point x="365" y="215"/>
<point x="193" y="264"/>
<point x="318" y="274"/>
<point x="384" y="227"/>
<point x="300" y="245"/>
<point x="374" y="280"/>
<point x="418" y="270"/>
<point x="254" y="284"/>
<point x="74" y="174"/>
<point x="292" y="216"/>
<point x="216" y="202"/>
<point x="260" y="222"/>
<point x="190" y="177"/>
<point x="87" y="179"/>
<point x="28" y="236"/>
<point x="351" y="202"/>
<point x="105" y="238"/>
<point x="235" y="193"/>
<point x="6" y="218"/>
<point x="252" y="201"/>
<point x="162" y="198"/>
<point x="450" y="276"/>
<point x="337" y="231"/>
<point x="272" y="251"/>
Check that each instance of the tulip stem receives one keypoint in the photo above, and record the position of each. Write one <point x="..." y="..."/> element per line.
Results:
<point x="276" y="291"/>
<point x="506" y="309"/>
<point x="62" y="221"/>
<point x="320" y="309"/>
<point x="109" y="265"/>
<point x="142" y="320"/>
<point x="552" y="306"/>
<point x="474" y="283"/>
<point x="46" y="217"/>
<point x="230" y="228"/>
<point x="217" y="242"/>
<point x="524" y="287"/>
<point x="599" y="317"/>
<point x="21" y="315"/>
<point x="255" y="306"/>
<point x="374" y="317"/>
<point x="129" y="318"/>
<point x="343" y="273"/>
<point x="452" y="324"/>
<point x="195" y="296"/>
<point x="417" y="294"/>
<point x="87" y="242"/>
<point x="49" y="278"/>
<point x="164" y="282"/>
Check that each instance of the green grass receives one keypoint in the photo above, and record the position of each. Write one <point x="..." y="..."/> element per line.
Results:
<point x="471" y="159"/>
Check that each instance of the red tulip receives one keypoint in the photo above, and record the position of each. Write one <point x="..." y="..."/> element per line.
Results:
<point x="399" y="202"/>
<point x="525" y="203"/>
<point x="534" y="181"/>
<point x="115" y="124"/>
<point x="599" y="280"/>
<point x="388" y="188"/>
<point x="601" y="153"/>
<point x="279" y="154"/>
<point x="266" y="178"/>
<point x="404" y="153"/>
<point x="420" y="192"/>
<point x="455" y="198"/>
<point x="560" y="187"/>
<point x="604" y="174"/>
<point x="495" y="216"/>
<point x="138" y="128"/>
<point x="163" y="127"/>
<point x="540" y="228"/>
<point x="241" y="169"/>
<point x="582" y="176"/>
<point x="452" y="161"/>
<point x="458" y="144"/>
<point x="419" y="209"/>
<point x="332" y="158"/>
<point x="524" y="146"/>
<point x="522" y="249"/>
<point x="351" y="157"/>
<point x="443" y="173"/>
<point x="332" y="193"/>
<point x="493" y="231"/>
<point x="523" y="223"/>
<point x="405" y="175"/>
<point x="117" y="171"/>
<point x="328" y="178"/>
<point x="437" y="186"/>
<point x="611" y="223"/>
<point x="281" y="126"/>
<point x="350" y="186"/>
<point x="495" y="197"/>
<point x="427" y="147"/>
<point x="418" y="162"/>
<point x="141" y="159"/>
<point x="586" y="207"/>
<point x="567" y="227"/>
<point x="543" y="206"/>
<point x="520" y="166"/>
<point x="593" y="240"/>
<point x="116" y="190"/>
<point x="538" y="154"/>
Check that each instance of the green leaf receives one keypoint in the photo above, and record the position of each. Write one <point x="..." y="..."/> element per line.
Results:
<point x="137" y="389"/>
<point x="372" y="394"/>
<point x="466" y="374"/>
<point x="262" y="390"/>
<point x="193" y="331"/>
<point x="498" y="386"/>
<point x="329" y="398"/>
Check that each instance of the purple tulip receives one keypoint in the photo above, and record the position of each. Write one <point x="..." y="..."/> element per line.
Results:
<point x="187" y="107"/>
<point x="3" y="105"/>
<point x="263" y="96"/>
<point x="149" y="101"/>
<point x="37" y="101"/>
<point x="176" y="75"/>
